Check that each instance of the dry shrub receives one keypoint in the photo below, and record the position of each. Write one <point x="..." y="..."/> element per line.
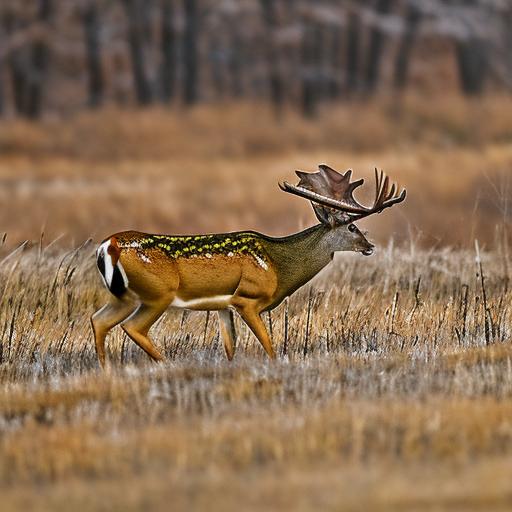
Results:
<point x="251" y="130"/>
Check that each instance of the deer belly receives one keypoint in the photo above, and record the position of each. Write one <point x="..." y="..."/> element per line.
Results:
<point x="203" y="303"/>
<point x="206" y="285"/>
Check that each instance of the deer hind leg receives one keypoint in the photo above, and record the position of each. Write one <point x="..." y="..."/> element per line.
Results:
<point x="251" y="317"/>
<point x="105" y="319"/>
<point x="227" y="331"/>
<point x="138" y="324"/>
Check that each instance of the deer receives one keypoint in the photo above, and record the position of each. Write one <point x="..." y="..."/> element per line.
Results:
<point x="244" y="272"/>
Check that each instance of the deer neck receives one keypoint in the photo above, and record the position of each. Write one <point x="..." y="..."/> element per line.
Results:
<point x="299" y="257"/>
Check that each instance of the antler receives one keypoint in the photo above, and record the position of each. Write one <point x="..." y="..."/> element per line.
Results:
<point x="331" y="189"/>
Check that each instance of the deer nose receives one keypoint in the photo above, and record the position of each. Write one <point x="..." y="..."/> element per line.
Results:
<point x="368" y="252"/>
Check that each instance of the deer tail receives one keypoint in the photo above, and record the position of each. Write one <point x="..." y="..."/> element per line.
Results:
<point x="112" y="272"/>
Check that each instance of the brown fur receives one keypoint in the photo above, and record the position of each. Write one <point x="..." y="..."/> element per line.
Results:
<point x="156" y="282"/>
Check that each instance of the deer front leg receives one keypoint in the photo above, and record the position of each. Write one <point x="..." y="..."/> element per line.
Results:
<point x="227" y="331"/>
<point x="251" y="317"/>
<point x="138" y="324"/>
<point x="105" y="319"/>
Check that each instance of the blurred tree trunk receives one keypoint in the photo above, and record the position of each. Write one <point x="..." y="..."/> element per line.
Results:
<point x="17" y="61"/>
<point x="268" y="9"/>
<point x="93" y="52"/>
<point x="507" y="43"/>
<point x="39" y="64"/>
<point x="168" y="69"/>
<point x="2" y="70"/>
<point x="473" y="65"/>
<point x="376" y="48"/>
<point x="28" y="63"/>
<point x="335" y="64"/>
<point x="309" y="70"/>
<point x="236" y="61"/>
<point x="2" y="99"/>
<point x="291" y="7"/>
<point x="190" y="53"/>
<point x="353" y="56"/>
<point x="136" y="36"/>
<point x="320" y="63"/>
<point x="216" y="60"/>
<point x="471" y="54"/>
<point x="412" y="21"/>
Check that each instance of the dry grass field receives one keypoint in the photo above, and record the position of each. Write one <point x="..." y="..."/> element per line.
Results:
<point x="393" y="386"/>
<point x="216" y="168"/>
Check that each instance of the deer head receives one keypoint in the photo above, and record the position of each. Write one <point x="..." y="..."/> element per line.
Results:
<point x="332" y="196"/>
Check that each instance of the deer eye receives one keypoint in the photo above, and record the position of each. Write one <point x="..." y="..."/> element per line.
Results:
<point x="352" y="228"/>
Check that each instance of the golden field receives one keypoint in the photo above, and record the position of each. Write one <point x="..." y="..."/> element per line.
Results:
<point x="393" y="385"/>
<point x="216" y="168"/>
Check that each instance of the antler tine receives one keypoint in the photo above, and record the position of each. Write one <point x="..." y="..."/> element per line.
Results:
<point x="393" y="190"/>
<point x="386" y="195"/>
<point x="378" y="182"/>
<point x="382" y="188"/>
<point x="385" y="190"/>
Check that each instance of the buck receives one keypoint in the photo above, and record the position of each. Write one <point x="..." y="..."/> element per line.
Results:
<point x="246" y="271"/>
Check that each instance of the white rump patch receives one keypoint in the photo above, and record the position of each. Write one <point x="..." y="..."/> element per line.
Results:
<point x="109" y="266"/>
<point x="123" y="273"/>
